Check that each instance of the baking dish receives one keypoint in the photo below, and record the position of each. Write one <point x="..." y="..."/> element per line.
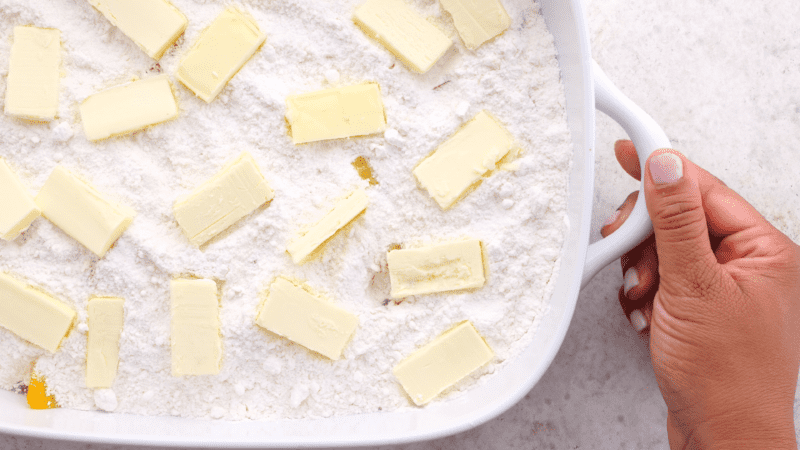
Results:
<point x="586" y="87"/>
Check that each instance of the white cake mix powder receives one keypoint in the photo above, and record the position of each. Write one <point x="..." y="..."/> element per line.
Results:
<point x="520" y="214"/>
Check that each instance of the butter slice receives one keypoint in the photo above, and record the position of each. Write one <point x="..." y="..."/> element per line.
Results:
<point x="316" y="324"/>
<point x="33" y="315"/>
<point x="196" y="343"/>
<point x="477" y="21"/>
<point x="443" y="362"/>
<point x="438" y="268"/>
<point x="222" y="49"/>
<point x="17" y="208"/>
<point x="105" y="328"/>
<point x="336" y="113"/>
<point x="414" y="40"/>
<point x="154" y="25"/>
<point x="33" y="74"/>
<point x="82" y="212"/>
<point x="236" y="191"/>
<point x="461" y="161"/>
<point x="128" y="108"/>
<point x="345" y="211"/>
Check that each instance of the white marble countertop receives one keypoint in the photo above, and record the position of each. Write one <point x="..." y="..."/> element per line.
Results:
<point x="721" y="78"/>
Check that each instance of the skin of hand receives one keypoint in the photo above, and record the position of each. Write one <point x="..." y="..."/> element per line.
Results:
<point x="718" y="287"/>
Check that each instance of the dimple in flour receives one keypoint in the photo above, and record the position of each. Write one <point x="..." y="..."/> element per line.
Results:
<point x="518" y="213"/>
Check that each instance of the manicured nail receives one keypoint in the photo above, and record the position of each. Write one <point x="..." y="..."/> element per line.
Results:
<point x="666" y="168"/>
<point x="638" y="320"/>
<point x="613" y="218"/>
<point x="631" y="279"/>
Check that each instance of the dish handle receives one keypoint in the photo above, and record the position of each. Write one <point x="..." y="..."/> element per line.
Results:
<point x="647" y="136"/>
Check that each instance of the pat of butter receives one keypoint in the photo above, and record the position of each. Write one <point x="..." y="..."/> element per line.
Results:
<point x="222" y="49"/>
<point x="128" y="108"/>
<point x="343" y="213"/>
<point x="477" y="21"/>
<point x="154" y="25"/>
<point x="461" y="161"/>
<point x="443" y="362"/>
<point x="82" y="212"/>
<point x="33" y="315"/>
<point x="33" y="73"/>
<point x="306" y="319"/>
<point x="102" y="353"/>
<point x="414" y="40"/>
<point x="336" y="113"/>
<point x="236" y="191"/>
<point x="438" y="268"/>
<point x="17" y="208"/>
<point x="196" y="343"/>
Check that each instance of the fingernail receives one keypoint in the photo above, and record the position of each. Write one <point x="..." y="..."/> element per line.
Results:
<point x="613" y="218"/>
<point x="638" y="320"/>
<point x="631" y="279"/>
<point x="666" y="168"/>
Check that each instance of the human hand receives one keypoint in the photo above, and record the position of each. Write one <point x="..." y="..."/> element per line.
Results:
<point x="719" y="289"/>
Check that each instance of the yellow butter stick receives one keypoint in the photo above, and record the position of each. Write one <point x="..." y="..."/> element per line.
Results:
<point x="461" y="161"/>
<point x="336" y="113"/>
<point x="82" y="212"/>
<point x="477" y="21"/>
<point x="128" y="108"/>
<point x="17" y="208"/>
<point x="102" y="348"/>
<point x="33" y="74"/>
<point x="196" y="342"/>
<point x="33" y="315"/>
<point x="154" y="25"/>
<point x="343" y="213"/>
<point x="443" y="362"/>
<point x="221" y="50"/>
<point x="317" y="324"/>
<point x="437" y="268"/>
<point x="414" y="40"/>
<point x="236" y="191"/>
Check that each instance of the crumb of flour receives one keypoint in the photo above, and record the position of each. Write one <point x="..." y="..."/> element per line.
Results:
<point x="105" y="399"/>
<point x="518" y="215"/>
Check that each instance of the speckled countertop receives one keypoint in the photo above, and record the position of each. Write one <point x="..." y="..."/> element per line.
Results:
<point x="721" y="77"/>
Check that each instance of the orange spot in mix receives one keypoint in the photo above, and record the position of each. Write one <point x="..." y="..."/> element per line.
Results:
<point x="37" y="394"/>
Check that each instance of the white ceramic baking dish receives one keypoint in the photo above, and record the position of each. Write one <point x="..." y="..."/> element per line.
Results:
<point x="585" y="85"/>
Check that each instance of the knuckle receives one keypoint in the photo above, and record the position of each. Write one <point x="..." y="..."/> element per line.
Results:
<point x="688" y="279"/>
<point x="683" y="218"/>
<point x="786" y="257"/>
<point x="704" y="285"/>
<point x="705" y="282"/>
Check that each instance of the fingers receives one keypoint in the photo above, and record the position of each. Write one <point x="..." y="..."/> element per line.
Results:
<point x="640" y="283"/>
<point x="620" y="215"/>
<point x="728" y="212"/>
<point x="674" y="199"/>
<point x="628" y="158"/>
<point x="639" y="315"/>
<point x="640" y="269"/>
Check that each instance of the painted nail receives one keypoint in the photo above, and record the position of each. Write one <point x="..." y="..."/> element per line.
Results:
<point x="631" y="279"/>
<point x="638" y="320"/>
<point x="666" y="168"/>
<point x="613" y="218"/>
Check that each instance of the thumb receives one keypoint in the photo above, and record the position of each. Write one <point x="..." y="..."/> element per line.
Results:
<point x="687" y="264"/>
